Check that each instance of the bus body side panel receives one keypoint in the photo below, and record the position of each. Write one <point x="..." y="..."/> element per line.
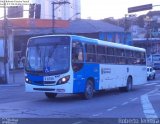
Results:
<point x="112" y="76"/>
<point x="89" y="71"/>
<point x="78" y="81"/>
<point x="138" y="73"/>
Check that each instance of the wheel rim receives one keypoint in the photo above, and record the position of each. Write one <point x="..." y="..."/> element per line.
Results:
<point x="89" y="90"/>
<point x="130" y="84"/>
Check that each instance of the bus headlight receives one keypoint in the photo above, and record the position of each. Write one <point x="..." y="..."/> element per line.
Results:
<point x="26" y="79"/>
<point x="63" y="80"/>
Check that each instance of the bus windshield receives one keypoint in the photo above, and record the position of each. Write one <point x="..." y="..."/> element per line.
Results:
<point x="48" y="55"/>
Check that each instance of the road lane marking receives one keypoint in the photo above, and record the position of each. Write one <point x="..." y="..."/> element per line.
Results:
<point x="125" y="103"/>
<point x="112" y="108"/>
<point x="147" y="107"/>
<point x="148" y="84"/>
<point x="134" y="99"/>
<point x="78" y="122"/>
<point x="10" y="85"/>
<point x="95" y="115"/>
<point x="153" y="91"/>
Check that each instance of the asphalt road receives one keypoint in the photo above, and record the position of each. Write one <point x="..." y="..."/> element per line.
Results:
<point x="142" y="102"/>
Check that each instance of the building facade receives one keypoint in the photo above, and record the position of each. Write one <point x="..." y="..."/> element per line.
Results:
<point x="63" y="9"/>
<point x="22" y="29"/>
<point x="148" y="35"/>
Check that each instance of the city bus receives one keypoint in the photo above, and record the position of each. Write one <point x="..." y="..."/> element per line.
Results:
<point x="72" y="64"/>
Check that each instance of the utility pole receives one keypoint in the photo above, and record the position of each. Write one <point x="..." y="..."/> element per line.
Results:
<point x="6" y="70"/>
<point x="125" y="28"/>
<point x="53" y="16"/>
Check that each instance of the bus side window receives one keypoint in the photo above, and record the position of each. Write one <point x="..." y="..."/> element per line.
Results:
<point x="101" y="58"/>
<point x="143" y="59"/>
<point x="90" y="53"/>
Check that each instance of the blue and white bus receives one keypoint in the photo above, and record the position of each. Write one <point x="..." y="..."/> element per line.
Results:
<point x="79" y="65"/>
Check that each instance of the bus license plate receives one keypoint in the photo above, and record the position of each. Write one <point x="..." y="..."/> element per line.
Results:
<point x="49" y="78"/>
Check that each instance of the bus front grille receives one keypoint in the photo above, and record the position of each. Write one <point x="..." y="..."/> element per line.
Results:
<point x="44" y="89"/>
<point x="43" y="83"/>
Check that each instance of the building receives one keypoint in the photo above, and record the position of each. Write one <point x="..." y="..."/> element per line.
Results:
<point x="152" y="45"/>
<point x="63" y="9"/>
<point x="20" y="30"/>
<point x="98" y="29"/>
<point x="137" y="32"/>
<point x="148" y="37"/>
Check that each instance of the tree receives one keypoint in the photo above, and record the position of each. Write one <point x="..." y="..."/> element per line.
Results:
<point x="140" y="21"/>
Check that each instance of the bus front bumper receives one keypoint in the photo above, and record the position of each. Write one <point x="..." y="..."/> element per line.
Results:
<point x="52" y="89"/>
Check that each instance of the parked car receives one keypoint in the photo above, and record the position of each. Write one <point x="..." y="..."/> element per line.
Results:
<point x="151" y="73"/>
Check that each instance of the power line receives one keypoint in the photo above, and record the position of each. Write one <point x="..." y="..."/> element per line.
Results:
<point x="53" y="9"/>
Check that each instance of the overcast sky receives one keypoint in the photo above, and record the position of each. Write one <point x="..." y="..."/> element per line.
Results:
<point x="99" y="9"/>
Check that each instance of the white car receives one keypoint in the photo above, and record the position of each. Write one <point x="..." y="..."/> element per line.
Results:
<point x="151" y="73"/>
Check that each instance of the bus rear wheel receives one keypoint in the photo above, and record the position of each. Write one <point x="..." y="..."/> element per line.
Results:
<point x="50" y="95"/>
<point x="129" y="84"/>
<point x="89" y="90"/>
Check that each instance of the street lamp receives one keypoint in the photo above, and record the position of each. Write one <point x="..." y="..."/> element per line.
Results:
<point x="73" y="16"/>
<point x="128" y="23"/>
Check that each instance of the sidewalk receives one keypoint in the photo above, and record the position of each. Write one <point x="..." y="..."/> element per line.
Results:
<point x="16" y="78"/>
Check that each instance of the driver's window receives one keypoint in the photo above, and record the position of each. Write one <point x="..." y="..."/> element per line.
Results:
<point x="77" y="56"/>
<point x="77" y="52"/>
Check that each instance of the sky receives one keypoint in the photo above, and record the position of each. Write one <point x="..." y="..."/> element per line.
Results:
<point x="100" y="9"/>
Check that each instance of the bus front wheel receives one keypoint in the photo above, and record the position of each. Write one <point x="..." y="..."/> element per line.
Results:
<point x="50" y="95"/>
<point x="89" y="90"/>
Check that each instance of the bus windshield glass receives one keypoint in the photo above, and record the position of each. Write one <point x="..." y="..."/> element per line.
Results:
<point x="48" y="55"/>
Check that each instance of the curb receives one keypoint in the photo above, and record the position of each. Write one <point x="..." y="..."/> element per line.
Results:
<point x="11" y="85"/>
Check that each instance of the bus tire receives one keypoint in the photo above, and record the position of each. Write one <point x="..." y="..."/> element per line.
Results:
<point x="129" y="84"/>
<point x="50" y="95"/>
<point x="122" y="89"/>
<point x="89" y="90"/>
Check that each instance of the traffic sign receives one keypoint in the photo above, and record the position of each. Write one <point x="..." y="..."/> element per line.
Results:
<point x="140" y="8"/>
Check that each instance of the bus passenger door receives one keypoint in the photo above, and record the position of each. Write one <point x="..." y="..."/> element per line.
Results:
<point x="77" y="66"/>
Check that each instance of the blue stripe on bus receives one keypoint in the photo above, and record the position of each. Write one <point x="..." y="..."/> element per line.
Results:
<point x="34" y="78"/>
<point x="81" y="77"/>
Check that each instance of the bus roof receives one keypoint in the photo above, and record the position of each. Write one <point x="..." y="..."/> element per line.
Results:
<point x="106" y="43"/>
<point x="97" y="42"/>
